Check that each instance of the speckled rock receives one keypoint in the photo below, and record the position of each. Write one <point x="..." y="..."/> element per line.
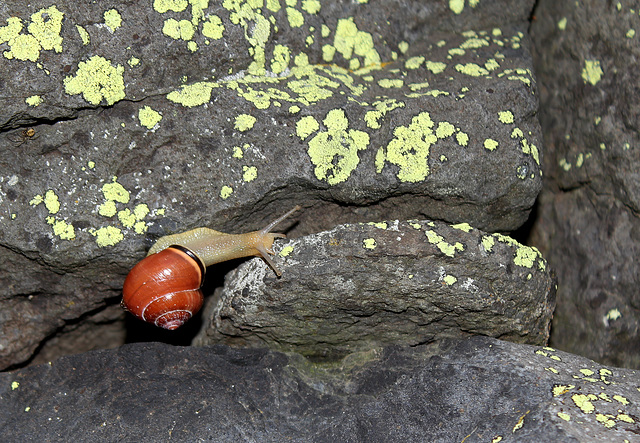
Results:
<point x="473" y="390"/>
<point x="366" y="285"/>
<point x="137" y="119"/>
<point x="588" y="224"/>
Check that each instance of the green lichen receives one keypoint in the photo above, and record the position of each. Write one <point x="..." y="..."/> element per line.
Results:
<point x="372" y="118"/>
<point x="490" y="144"/>
<point x="466" y="227"/>
<point x="334" y="152"/>
<point x="115" y="192"/>
<point x="62" y="229"/>
<point x="447" y="249"/>
<point x="306" y="126"/>
<point x="34" y="100"/>
<point x="311" y="6"/>
<point x="584" y="402"/>
<point x="613" y="314"/>
<point x="24" y="47"/>
<point x="249" y="173"/>
<point x="449" y="280"/>
<point x="286" y="251"/>
<point x="526" y="256"/>
<point x="213" y="27"/>
<point x="414" y="62"/>
<point x="369" y="243"/>
<point x="96" y="79"/>
<point x="140" y="211"/>
<point x="436" y="67"/>
<point x="244" y="122"/>
<point x="505" y="117"/>
<point x="140" y="227"/>
<point x="349" y="40"/>
<point x="127" y="218"/>
<point x="108" y="236"/>
<point x="225" y="192"/>
<point x="295" y="17"/>
<point x="45" y="26"/>
<point x="471" y="69"/>
<point x="592" y="72"/>
<point x="148" y="117"/>
<point x="44" y="34"/>
<point x="178" y="30"/>
<point x="462" y="138"/>
<point x="562" y="23"/>
<point x="445" y="129"/>
<point x="491" y="65"/>
<point x="51" y="202"/>
<point x="163" y="6"/>
<point x="474" y="43"/>
<point x="237" y="152"/>
<point x="193" y="95"/>
<point x="379" y="225"/>
<point x="391" y="83"/>
<point x="457" y="6"/>
<point x="409" y="149"/>
<point x="84" y="35"/>
<point x="488" y="242"/>
<point x="281" y="59"/>
<point x="112" y="19"/>
<point x="108" y="209"/>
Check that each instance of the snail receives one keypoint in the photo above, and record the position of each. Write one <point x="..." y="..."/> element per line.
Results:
<point x="164" y="287"/>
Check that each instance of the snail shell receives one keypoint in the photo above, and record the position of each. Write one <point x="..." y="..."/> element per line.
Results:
<point x="164" y="288"/>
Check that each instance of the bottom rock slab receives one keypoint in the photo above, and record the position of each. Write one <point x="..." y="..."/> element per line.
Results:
<point x="474" y="390"/>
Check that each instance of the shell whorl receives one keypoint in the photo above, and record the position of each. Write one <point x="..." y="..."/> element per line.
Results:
<point x="164" y="288"/>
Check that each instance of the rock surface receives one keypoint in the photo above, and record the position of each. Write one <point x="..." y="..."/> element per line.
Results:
<point x="472" y="390"/>
<point x="125" y="122"/>
<point x="366" y="285"/>
<point x="588" y="224"/>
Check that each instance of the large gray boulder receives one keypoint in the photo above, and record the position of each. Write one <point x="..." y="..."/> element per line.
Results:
<point x="474" y="390"/>
<point x="125" y="122"/>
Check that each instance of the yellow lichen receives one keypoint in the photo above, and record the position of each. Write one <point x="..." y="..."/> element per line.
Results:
<point x="369" y="243"/>
<point x="108" y="236"/>
<point x="148" y="117"/>
<point x="244" y="122"/>
<point x="409" y="149"/>
<point x="96" y="79"/>
<point x="225" y="192"/>
<point x="286" y="251"/>
<point x="249" y="173"/>
<point x="334" y="152"/>
<point x="592" y="72"/>
<point x="112" y="19"/>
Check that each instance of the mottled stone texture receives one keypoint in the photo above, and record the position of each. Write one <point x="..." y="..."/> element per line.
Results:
<point x="362" y="286"/>
<point x="588" y="225"/>
<point x="477" y="390"/>
<point x="124" y="122"/>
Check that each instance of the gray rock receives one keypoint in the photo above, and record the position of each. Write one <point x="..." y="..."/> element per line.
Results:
<point x="473" y="390"/>
<point x="366" y="285"/>
<point x="588" y="225"/>
<point x="152" y="119"/>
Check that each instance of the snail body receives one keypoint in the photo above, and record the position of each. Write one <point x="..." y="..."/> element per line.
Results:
<point x="164" y="287"/>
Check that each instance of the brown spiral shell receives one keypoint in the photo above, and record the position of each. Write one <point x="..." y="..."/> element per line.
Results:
<point x="164" y="288"/>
